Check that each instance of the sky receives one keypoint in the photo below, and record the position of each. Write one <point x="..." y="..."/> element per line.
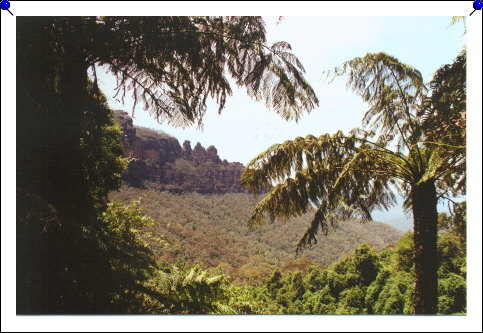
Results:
<point x="395" y="29"/>
<point x="246" y="127"/>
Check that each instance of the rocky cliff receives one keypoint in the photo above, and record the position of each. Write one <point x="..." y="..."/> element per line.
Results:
<point x="158" y="160"/>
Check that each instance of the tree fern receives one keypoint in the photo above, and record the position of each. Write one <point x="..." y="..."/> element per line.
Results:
<point x="189" y="291"/>
<point x="173" y="64"/>
<point x="343" y="176"/>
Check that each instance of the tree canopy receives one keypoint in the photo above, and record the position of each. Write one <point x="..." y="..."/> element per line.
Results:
<point x="174" y="64"/>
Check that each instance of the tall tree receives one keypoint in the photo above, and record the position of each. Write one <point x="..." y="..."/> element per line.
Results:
<point x="343" y="176"/>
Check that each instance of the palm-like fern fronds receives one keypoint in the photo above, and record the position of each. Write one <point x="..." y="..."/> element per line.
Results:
<point x="339" y="176"/>
<point x="393" y="90"/>
<point x="348" y="176"/>
<point x="174" y="64"/>
<point x="189" y="291"/>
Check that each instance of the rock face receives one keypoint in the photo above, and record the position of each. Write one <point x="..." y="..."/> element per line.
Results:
<point x="158" y="160"/>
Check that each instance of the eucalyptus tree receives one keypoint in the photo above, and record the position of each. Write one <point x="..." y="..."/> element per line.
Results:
<point x="398" y="149"/>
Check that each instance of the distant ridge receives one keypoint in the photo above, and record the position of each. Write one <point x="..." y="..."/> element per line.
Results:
<point x="158" y="160"/>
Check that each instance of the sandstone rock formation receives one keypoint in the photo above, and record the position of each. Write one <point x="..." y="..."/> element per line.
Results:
<point x="158" y="160"/>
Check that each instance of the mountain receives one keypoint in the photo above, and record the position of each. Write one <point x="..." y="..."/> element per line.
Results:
<point x="212" y="230"/>
<point x="158" y="160"/>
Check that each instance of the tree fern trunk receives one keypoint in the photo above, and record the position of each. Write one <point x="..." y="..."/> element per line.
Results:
<point x="425" y="239"/>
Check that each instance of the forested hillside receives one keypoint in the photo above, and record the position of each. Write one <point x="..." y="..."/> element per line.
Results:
<point x="212" y="230"/>
<point x="113" y="219"/>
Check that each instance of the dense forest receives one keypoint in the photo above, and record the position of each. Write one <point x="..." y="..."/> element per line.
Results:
<point x="84" y="247"/>
<point x="211" y="230"/>
<point x="192" y="241"/>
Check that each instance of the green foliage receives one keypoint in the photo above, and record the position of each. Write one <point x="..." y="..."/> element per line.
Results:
<point x="452" y="241"/>
<point x="451" y="254"/>
<point x="293" y="288"/>
<point x="124" y="224"/>
<point x="128" y="252"/>
<point x="320" y="302"/>
<point x="336" y="282"/>
<point x="313" y="279"/>
<point x="244" y="300"/>
<point x="366" y="263"/>
<point x="405" y="253"/>
<point x="367" y="282"/>
<point x="352" y="301"/>
<point x="456" y="222"/>
<point x="452" y="294"/>
<point x="375" y="288"/>
<point x="395" y="295"/>
<point x="274" y="283"/>
<point x="188" y="290"/>
<point x="101" y="149"/>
